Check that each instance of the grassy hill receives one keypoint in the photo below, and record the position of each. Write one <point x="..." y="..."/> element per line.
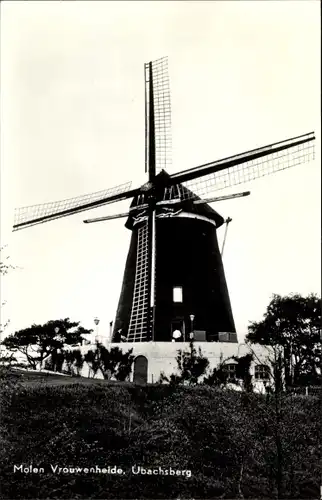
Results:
<point x="226" y="439"/>
<point x="34" y="378"/>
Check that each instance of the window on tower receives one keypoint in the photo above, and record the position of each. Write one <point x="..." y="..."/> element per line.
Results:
<point x="177" y="294"/>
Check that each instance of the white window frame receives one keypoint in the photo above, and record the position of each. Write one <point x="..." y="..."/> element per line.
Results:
<point x="262" y="372"/>
<point x="177" y="294"/>
<point x="230" y="370"/>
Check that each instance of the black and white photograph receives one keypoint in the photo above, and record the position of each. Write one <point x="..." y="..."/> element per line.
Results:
<point x="160" y="250"/>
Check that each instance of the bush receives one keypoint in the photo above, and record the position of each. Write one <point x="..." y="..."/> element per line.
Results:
<point x="225" y="438"/>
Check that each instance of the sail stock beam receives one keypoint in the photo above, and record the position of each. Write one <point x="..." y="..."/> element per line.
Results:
<point x="107" y="217"/>
<point x="222" y="198"/>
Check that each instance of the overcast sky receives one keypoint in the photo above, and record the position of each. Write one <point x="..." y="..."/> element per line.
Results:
<point x="242" y="75"/>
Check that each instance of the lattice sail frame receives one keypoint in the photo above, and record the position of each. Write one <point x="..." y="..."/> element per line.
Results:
<point x="34" y="212"/>
<point x="162" y="114"/>
<point x="246" y="171"/>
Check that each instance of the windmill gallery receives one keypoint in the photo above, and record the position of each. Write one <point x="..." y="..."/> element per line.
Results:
<point x="174" y="293"/>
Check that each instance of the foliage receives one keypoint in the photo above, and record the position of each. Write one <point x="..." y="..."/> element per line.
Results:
<point x="5" y="265"/>
<point x="218" y="376"/>
<point x="173" y="380"/>
<point x="293" y="322"/>
<point x="282" y="419"/>
<point x="243" y="371"/>
<point x="8" y="377"/>
<point x="5" y="268"/>
<point x="191" y="365"/>
<point x="225" y="438"/>
<point x="74" y="361"/>
<point x="113" y="363"/>
<point x="39" y="342"/>
<point x="94" y="362"/>
<point x="8" y="360"/>
<point x="162" y="378"/>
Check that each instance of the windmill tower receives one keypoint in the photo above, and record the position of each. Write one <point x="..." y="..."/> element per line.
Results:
<point x="174" y="281"/>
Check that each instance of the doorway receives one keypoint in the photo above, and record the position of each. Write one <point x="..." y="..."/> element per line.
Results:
<point x="178" y="324"/>
<point x="140" y="375"/>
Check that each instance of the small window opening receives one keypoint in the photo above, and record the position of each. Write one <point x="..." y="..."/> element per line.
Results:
<point x="262" y="372"/>
<point x="230" y="370"/>
<point x="177" y="294"/>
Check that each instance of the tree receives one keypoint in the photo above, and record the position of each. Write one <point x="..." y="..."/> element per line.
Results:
<point x="93" y="360"/>
<point x="191" y="366"/>
<point x="7" y="360"/>
<point x="243" y="371"/>
<point x="74" y="361"/>
<point x="115" y="363"/>
<point x="284" y="419"/>
<point x="38" y="342"/>
<point x="112" y="363"/>
<point x="173" y="380"/>
<point x="218" y="377"/>
<point x="78" y="361"/>
<point x="5" y="268"/>
<point x="293" y="322"/>
<point x="124" y="365"/>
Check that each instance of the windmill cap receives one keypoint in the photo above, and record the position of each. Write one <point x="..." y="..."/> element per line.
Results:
<point x="157" y="191"/>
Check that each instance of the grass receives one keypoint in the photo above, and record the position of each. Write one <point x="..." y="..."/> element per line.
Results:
<point x="72" y="421"/>
<point x="34" y="379"/>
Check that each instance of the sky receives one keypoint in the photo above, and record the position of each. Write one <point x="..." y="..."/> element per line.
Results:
<point x="242" y="75"/>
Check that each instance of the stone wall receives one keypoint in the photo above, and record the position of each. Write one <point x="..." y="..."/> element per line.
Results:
<point x="161" y="355"/>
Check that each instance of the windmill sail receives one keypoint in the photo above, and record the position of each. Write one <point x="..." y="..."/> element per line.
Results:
<point x="37" y="214"/>
<point x="158" y="121"/>
<point x="236" y="170"/>
<point x="244" y="167"/>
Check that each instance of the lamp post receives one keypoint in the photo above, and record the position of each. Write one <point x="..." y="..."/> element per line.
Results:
<point x="96" y="321"/>
<point x="192" y="317"/>
<point x="56" y="330"/>
<point x="110" y="332"/>
<point x="57" y="337"/>
<point x="239" y="346"/>
<point x="60" y="337"/>
<point x="321" y="375"/>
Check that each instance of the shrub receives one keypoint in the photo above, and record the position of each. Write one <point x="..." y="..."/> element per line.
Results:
<point x="225" y="438"/>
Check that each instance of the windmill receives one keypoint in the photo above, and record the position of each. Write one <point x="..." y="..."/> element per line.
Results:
<point x="174" y="281"/>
